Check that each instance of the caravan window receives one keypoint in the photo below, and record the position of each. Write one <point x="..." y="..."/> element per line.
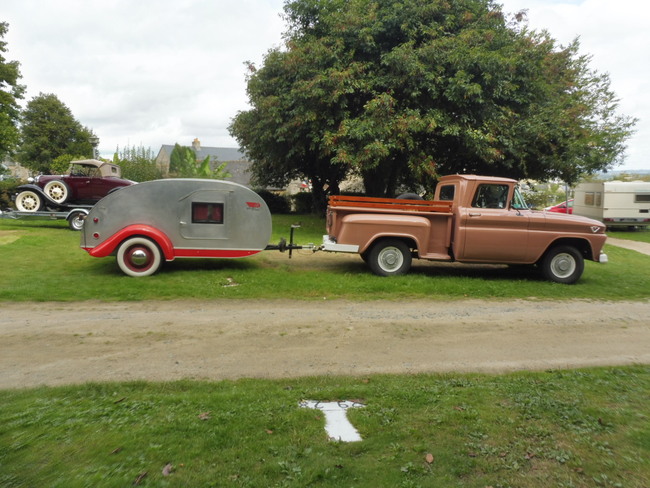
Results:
<point x="207" y="213"/>
<point x="642" y="198"/>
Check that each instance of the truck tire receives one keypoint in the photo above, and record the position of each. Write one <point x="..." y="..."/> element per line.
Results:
<point x="563" y="264"/>
<point x="29" y="201"/>
<point x="57" y="191"/>
<point x="139" y="256"/>
<point x="389" y="257"/>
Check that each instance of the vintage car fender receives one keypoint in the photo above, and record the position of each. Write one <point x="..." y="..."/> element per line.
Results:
<point x="110" y="245"/>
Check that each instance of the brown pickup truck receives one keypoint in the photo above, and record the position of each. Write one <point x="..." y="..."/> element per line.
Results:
<point x="472" y="219"/>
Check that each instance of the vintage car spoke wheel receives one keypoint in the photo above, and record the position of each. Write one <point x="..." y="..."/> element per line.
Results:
<point x="76" y="220"/>
<point x="389" y="257"/>
<point x="29" y="201"/>
<point x="57" y="190"/>
<point x="563" y="264"/>
<point x="139" y="256"/>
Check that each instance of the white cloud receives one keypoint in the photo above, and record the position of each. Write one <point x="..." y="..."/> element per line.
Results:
<point x="157" y="72"/>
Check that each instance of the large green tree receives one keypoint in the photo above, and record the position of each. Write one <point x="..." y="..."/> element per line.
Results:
<point x="402" y="91"/>
<point x="10" y="93"/>
<point x="49" y="130"/>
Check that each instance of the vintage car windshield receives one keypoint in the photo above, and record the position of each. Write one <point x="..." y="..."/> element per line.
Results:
<point x="518" y="202"/>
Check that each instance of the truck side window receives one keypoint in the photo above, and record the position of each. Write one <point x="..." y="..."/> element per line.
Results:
<point x="491" y="196"/>
<point x="207" y="213"/>
<point x="447" y="192"/>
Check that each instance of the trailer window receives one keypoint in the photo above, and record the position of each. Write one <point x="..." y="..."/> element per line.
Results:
<point x="642" y="198"/>
<point x="447" y="192"/>
<point x="207" y="213"/>
<point x="589" y="198"/>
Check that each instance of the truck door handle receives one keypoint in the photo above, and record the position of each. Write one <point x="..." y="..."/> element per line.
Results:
<point x="474" y="214"/>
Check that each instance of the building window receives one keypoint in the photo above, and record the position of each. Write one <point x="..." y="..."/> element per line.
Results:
<point x="207" y="213"/>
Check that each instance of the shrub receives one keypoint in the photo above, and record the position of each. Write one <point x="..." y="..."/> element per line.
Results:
<point x="278" y="204"/>
<point x="7" y="188"/>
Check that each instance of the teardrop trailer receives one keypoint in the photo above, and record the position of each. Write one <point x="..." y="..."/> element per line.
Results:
<point x="473" y="219"/>
<point x="155" y="221"/>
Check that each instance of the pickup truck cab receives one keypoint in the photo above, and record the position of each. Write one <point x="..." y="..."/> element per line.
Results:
<point x="472" y="219"/>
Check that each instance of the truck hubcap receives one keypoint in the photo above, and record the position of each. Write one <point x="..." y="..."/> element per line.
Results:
<point x="563" y="265"/>
<point x="390" y="259"/>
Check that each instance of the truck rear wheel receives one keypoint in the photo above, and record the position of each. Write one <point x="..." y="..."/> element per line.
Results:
<point x="389" y="257"/>
<point x="563" y="264"/>
<point x="139" y="256"/>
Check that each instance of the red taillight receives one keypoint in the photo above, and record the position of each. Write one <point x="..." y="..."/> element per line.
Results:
<point x="96" y="235"/>
<point x="96" y="219"/>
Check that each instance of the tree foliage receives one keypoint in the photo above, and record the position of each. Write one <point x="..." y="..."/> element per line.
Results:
<point x="183" y="164"/>
<point x="137" y="163"/>
<point x="49" y="130"/>
<point x="402" y="91"/>
<point x="10" y="92"/>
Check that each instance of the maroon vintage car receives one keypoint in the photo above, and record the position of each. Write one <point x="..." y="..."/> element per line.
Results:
<point x="87" y="182"/>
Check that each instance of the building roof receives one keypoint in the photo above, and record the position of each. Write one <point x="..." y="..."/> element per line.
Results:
<point x="223" y="154"/>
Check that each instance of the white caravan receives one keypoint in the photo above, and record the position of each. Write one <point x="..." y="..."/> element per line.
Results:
<point x="615" y="203"/>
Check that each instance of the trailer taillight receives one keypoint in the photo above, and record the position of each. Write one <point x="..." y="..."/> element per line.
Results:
<point x="96" y="235"/>
<point x="96" y="219"/>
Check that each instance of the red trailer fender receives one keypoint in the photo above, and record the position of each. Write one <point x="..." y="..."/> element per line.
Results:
<point x="109" y="246"/>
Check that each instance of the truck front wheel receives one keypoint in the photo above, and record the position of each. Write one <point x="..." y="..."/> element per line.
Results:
<point x="563" y="264"/>
<point x="389" y="257"/>
<point x="139" y="256"/>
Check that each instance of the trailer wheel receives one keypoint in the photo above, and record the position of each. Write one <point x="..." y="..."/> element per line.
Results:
<point x="29" y="201"/>
<point x="138" y="256"/>
<point x="563" y="264"/>
<point x="389" y="257"/>
<point x="57" y="190"/>
<point x="76" y="220"/>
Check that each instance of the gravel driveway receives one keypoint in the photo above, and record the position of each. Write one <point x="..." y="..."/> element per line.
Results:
<point x="60" y="343"/>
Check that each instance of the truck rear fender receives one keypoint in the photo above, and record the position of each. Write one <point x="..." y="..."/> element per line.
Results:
<point x="582" y="245"/>
<point x="110" y="245"/>
<point x="407" y="239"/>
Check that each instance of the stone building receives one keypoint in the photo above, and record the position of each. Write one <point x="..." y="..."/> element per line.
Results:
<point x="236" y="163"/>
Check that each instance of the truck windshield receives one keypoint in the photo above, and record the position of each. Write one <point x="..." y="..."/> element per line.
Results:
<point x="518" y="202"/>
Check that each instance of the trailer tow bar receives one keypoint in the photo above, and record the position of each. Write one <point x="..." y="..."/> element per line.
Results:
<point x="283" y="246"/>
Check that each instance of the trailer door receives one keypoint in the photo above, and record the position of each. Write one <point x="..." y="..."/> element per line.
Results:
<point x="203" y="215"/>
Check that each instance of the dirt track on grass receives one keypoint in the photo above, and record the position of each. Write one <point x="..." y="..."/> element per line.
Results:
<point x="59" y="343"/>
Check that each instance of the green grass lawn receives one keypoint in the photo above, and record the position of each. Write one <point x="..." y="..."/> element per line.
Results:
<point x="42" y="261"/>
<point x="641" y="235"/>
<point x="583" y="428"/>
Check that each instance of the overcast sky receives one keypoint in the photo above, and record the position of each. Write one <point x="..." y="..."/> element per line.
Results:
<point x="153" y="72"/>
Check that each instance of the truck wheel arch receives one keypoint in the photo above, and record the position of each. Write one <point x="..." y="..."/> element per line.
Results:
<point x="563" y="264"/>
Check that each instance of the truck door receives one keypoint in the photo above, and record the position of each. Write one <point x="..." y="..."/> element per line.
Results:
<point x="492" y="231"/>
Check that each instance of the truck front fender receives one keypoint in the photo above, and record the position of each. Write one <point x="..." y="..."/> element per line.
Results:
<point x="109" y="245"/>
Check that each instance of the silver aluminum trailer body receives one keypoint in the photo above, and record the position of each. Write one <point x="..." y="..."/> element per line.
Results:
<point x="75" y="215"/>
<point x="153" y="221"/>
<point x="615" y="203"/>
